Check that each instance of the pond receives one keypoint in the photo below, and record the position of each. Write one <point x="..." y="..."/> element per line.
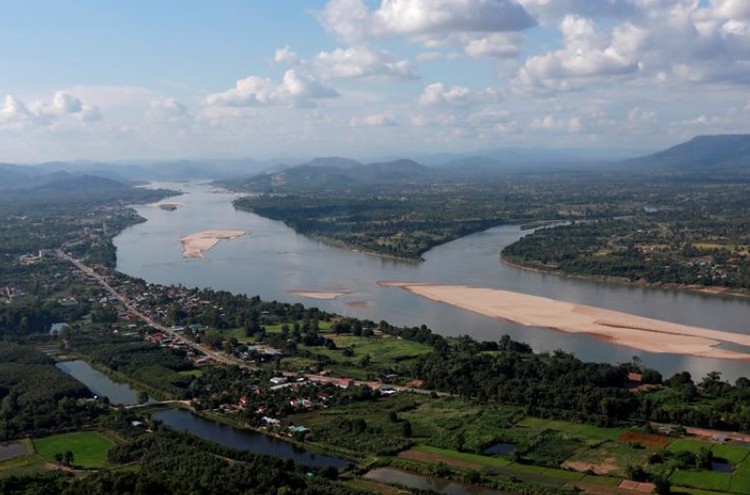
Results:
<point x="721" y="466"/>
<point x="99" y="383"/>
<point x="249" y="441"/>
<point x="419" y="482"/>
<point x="501" y="448"/>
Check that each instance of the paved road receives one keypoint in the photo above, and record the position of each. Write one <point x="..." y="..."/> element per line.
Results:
<point x="216" y="356"/>
<point x="212" y="354"/>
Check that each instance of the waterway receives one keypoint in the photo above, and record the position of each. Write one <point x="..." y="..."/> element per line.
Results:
<point x="273" y="260"/>
<point x="249" y="441"/>
<point x="99" y="383"/>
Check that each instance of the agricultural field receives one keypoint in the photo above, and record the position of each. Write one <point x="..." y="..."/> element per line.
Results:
<point x="89" y="448"/>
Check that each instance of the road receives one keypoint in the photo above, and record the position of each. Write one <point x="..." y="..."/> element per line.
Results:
<point x="210" y="353"/>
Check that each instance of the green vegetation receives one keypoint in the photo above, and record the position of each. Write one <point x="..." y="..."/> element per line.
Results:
<point x="89" y="449"/>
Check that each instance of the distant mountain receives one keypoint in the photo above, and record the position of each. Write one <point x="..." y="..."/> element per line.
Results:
<point x="334" y="161"/>
<point x="63" y="181"/>
<point x="337" y="173"/>
<point x="728" y="153"/>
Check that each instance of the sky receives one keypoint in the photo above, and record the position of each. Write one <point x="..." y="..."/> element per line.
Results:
<point x="181" y="79"/>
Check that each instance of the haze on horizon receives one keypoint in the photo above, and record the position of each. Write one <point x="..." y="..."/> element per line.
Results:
<point x="159" y="80"/>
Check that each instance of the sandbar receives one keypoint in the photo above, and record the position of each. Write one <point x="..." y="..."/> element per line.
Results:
<point x="165" y="202"/>
<point x="326" y="295"/>
<point x="194" y="245"/>
<point x="637" y="332"/>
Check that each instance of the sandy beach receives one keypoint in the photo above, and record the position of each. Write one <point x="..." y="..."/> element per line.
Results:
<point x="194" y="245"/>
<point x="619" y="328"/>
<point x="325" y="295"/>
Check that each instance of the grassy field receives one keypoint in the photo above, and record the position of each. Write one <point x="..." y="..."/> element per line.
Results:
<point x="484" y="461"/>
<point x="89" y="448"/>
<point x="693" y="446"/>
<point x="584" y="431"/>
<point x="460" y="425"/>
<point x="705" y="480"/>
<point x="734" y="454"/>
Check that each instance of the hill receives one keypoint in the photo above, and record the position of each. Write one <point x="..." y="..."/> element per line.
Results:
<point x="336" y="173"/>
<point x="725" y="154"/>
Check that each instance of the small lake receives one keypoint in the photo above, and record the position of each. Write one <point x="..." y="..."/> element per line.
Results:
<point x="99" y="383"/>
<point x="500" y="449"/>
<point x="721" y="467"/>
<point x="419" y="482"/>
<point x="249" y="441"/>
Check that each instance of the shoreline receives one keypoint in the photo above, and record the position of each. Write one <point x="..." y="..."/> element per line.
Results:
<point x="195" y="245"/>
<point x="708" y="291"/>
<point x="618" y="328"/>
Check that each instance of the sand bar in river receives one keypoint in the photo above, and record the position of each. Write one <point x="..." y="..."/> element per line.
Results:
<point x="194" y="245"/>
<point x="637" y="332"/>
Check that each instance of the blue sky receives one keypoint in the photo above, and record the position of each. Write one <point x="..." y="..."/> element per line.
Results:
<point x="113" y="80"/>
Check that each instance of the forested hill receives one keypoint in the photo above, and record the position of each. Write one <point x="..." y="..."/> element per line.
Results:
<point x="336" y="173"/>
<point x="702" y="155"/>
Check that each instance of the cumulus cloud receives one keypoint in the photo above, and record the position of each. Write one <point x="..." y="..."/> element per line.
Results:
<point x="586" y="54"/>
<point x="362" y="62"/>
<point x="424" y="21"/>
<point x="294" y="90"/>
<point x="548" y="123"/>
<point x="286" y="56"/>
<point x="168" y="110"/>
<point x="14" y="114"/>
<point x="440" y="95"/>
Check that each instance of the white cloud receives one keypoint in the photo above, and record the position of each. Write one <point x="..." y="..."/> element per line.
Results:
<point x="500" y="45"/>
<point x="440" y="95"/>
<point x="424" y="21"/>
<point x="286" y="56"/>
<point x="168" y="110"/>
<point x="64" y="109"/>
<point x="294" y="89"/>
<point x="362" y="62"/>
<point x="65" y="103"/>
<point x="374" y="120"/>
<point x="586" y="54"/>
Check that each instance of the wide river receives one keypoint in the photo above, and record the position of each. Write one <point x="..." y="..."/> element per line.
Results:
<point x="273" y="260"/>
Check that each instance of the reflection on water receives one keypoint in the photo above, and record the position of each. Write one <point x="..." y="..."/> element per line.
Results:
<point x="99" y="383"/>
<point x="272" y="260"/>
<point x="250" y="441"/>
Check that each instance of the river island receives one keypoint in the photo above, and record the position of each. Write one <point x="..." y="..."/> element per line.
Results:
<point x="194" y="245"/>
<point x="624" y="329"/>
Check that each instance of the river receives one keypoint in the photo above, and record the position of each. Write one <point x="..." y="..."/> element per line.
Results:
<point x="273" y="260"/>
<point x="249" y="441"/>
<point x="99" y="383"/>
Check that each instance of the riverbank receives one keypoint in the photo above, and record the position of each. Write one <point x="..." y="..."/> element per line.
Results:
<point x="699" y="289"/>
<point x="195" y="245"/>
<point x="624" y="329"/>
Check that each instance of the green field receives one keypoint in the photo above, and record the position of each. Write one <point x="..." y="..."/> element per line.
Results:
<point x="585" y="431"/>
<point x="734" y="454"/>
<point x="693" y="446"/>
<point x="485" y="461"/>
<point x="460" y="425"/>
<point x="705" y="480"/>
<point x="89" y="448"/>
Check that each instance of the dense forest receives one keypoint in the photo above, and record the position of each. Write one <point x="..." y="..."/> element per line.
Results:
<point x="36" y="397"/>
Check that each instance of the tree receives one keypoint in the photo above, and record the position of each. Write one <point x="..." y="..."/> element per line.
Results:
<point x="68" y="458"/>
<point x="141" y="397"/>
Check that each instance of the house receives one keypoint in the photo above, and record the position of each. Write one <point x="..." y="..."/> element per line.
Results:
<point x="278" y="380"/>
<point x="298" y="429"/>
<point x="344" y="382"/>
